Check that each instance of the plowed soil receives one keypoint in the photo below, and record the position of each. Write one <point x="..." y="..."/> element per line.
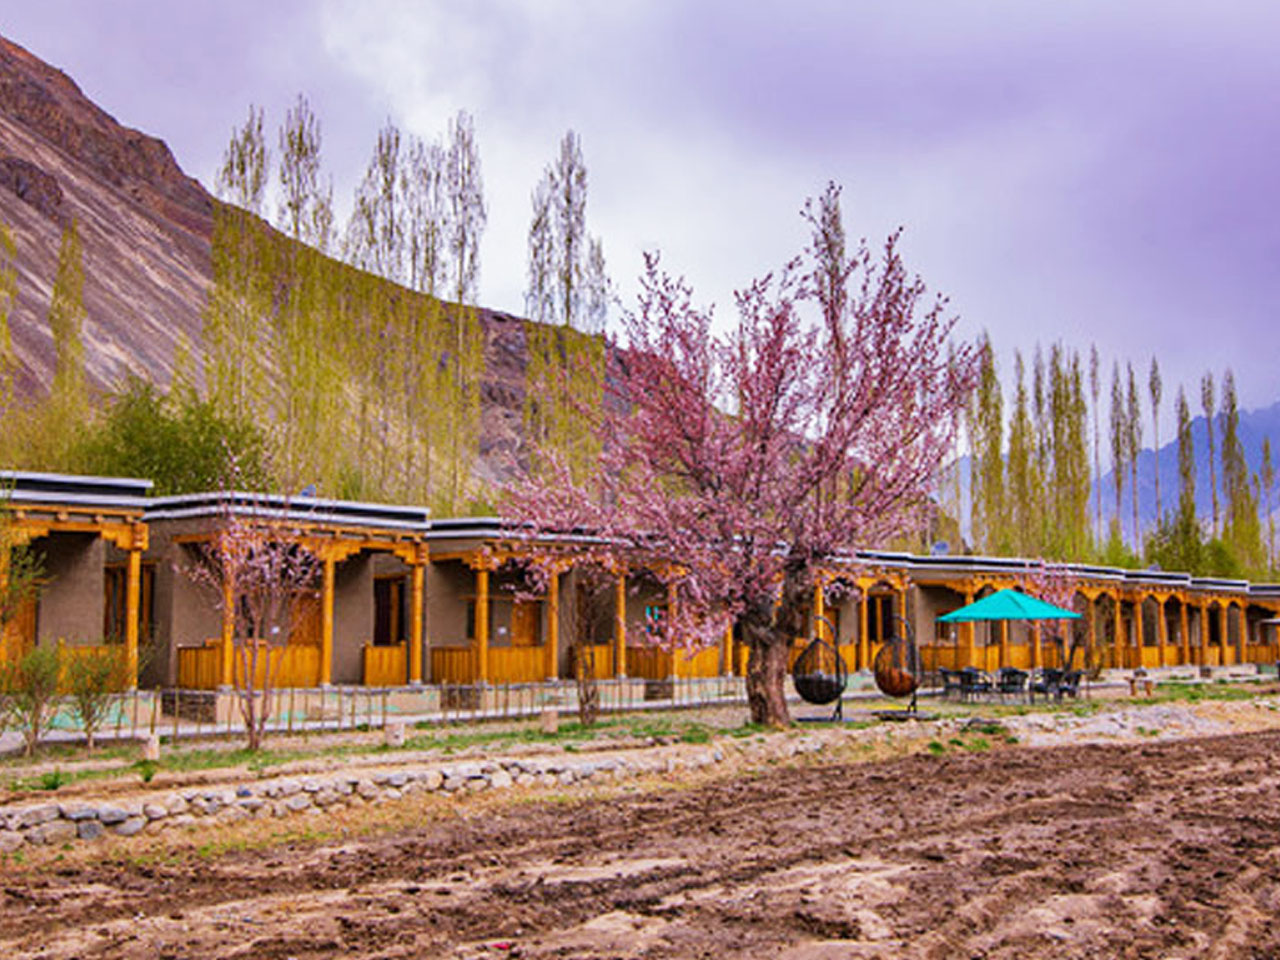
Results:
<point x="1161" y="850"/>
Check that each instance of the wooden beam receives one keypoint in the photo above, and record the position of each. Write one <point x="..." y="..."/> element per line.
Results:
<point x="326" y="620"/>
<point x="620" y="626"/>
<point x="553" y="626"/>
<point x="417" y="576"/>
<point x="482" y="625"/>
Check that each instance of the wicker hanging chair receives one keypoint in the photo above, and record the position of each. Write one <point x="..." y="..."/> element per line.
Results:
<point x="819" y="673"/>
<point x="897" y="666"/>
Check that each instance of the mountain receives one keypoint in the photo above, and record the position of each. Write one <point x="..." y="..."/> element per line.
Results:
<point x="146" y="229"/>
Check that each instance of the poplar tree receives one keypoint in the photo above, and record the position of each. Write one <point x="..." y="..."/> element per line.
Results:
<point x="1241" y="530"/>
<point x="1268" y="479"/>
<point x="566" y="301"/>
<point x="1207" y="404"/>
<point x="1095" y="389"/>
<point x="988" y="505"/>
<point x="306" y="204"/>
<point x="236" y="312"/>
<point x="1154" y="384"/>
<point x="1133" y="434"/>
<point x="1021" y="469"/>
<point x="1119" y="439"/>
<point x="467" y="218"/>
<point x="1186" y="461"/>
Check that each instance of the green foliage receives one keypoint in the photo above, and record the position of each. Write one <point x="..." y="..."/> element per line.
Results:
<point x="182" y="442"/>
<point x="146" y="769"/>
<point x="8" y="293"/>
<point x="93" y="679"/>
<point x="29" y="693"/>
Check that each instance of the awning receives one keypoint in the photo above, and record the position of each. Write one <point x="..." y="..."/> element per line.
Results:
<point x="1008" y="605"/>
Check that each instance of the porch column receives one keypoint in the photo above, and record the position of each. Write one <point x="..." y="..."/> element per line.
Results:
<point x="1184" y="633"/>
<point x="620" y="627"/>
<point x="726" y="652"/>
<point x="417" y="575"/>
<point x="133" y="588"/>
<point x="1091" y="631"/>
<point x="1004" y="644"/>
<point x="1204" y="632"/>
<point x="1139" y="642"/>
<point x="966" y="637"/>
<point x="482" y="625"/>
<point x="1224" y="629"/>
<point x="1162" y="628"/>
<point x="326" y="620"/>
<point x="1037" y="649"/>
<point x="553" y="627"/>
<point x="1117" y="658"/>
<point x="864" y="630"/>
<point x="819" y="611"/>
<point x="227" y="675"/>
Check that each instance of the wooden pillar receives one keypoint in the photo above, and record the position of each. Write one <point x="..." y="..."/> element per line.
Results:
<point x="417" y="575"/>
<point x="1004" y="644"/>
<point x="1037" y="648"/>
<point x="620" y="627"/>
<point x="482" y="626"/>
<point x="326" y="620"/>
<point x="1162" y="630"/>
<point x="1224" y="630"/>
<point x="1138" y="638"/>
<point x="966" y="637"/>
<point x="864" y="631"/>
<point x="726" y="652"/>
<point x="1118" y="631"/>
<point x="1204" y="632"/>
<point x="132" y="609"/>
<point x="227" y="671"/>
<point x="1184" y="637"/>
<point x="1091" y="631"/>
<point x="819" y="611"/>
<point x="553" y="626"/>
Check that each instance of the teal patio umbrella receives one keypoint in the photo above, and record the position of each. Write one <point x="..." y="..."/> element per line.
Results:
<point x="1008" y="605"/>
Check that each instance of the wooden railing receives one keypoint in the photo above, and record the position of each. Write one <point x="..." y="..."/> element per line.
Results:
<point x="295" y="665"/>
<point x="650" y="663"/>
<point x="118" y="679"/>
<point x="386" y="666"/>
<point x="506" y="664"/>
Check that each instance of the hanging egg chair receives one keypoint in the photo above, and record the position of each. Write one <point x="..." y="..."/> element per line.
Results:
<point x="819" y="673"/>
<point x="897" y="664"/>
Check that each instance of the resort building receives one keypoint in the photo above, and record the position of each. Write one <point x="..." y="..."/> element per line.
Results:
<point x="404" y="600"/>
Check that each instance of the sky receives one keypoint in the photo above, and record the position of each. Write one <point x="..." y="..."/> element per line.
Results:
<point x="1084" y="172"/>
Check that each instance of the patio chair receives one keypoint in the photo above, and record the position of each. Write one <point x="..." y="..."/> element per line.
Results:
<point x="1047" y="682"/>
<point x="974" y="683"/>
<point x="1011" y="682"/>
<point x="1070" y="686"/>
<point x="951" y="683"/>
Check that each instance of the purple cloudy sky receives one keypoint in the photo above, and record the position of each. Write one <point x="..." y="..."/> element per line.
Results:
<point x="1084" y="171"/>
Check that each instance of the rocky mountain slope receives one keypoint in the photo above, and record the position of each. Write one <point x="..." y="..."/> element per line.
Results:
<point x="146" y="228"/>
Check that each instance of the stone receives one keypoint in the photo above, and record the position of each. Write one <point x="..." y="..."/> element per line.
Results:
<point x="130" y="827"/>
<point x="151" y="748"/>
<point x="526" y="780"/>
<point x="112" y="815"/>
<point x="11" y="840"/>
<point x="432" y="779"/>
<point x="476" y="784"/>
<point x="299" y="801"/>
<point x="176" y="805"/>
<point x="154" y="811"/>
<point x="287" y="788"/>
<point x="366" y="789"/>
<point x="398" y="779"/>
<point x="326" y="797"/>
<point x="566" y="777"/>
<point x="500" y="780"/>
<point x="549" y="720"/>
<point x="89" y="829"/>
<point x="52" y="831"/>
<point x="311" y="785"/>
<point x="393" y="793"/>
<point x="233" y="814"/>
<point x="80" y="813"/>
<point x="32" y="816"/>
<point x="344" y="787"/>
<point x="252" y="804"/>
<point x="393" y="734"/>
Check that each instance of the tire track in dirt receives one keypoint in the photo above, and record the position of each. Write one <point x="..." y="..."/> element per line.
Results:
<point x="1160" y="850"/>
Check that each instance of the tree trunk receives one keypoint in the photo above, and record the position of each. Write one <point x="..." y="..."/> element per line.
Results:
<point x="766" y="675"/>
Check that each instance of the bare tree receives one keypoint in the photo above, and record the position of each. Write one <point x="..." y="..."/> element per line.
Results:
<point x="1154" y="384"/>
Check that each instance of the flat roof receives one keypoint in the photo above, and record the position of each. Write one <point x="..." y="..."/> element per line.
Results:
<point x="338" y="513"/>
<point x="70" y="490"/>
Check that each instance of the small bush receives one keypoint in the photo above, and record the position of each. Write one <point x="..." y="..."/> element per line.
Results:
<point x="94" y="677"/>
<point x="53" y="779"/>
<point x="29" y="693"/>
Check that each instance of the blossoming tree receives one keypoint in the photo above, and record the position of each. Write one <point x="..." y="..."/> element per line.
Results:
<point x="735" y="462"/>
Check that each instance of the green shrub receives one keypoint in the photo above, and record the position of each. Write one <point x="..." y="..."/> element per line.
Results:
<point x="29" y="693"/>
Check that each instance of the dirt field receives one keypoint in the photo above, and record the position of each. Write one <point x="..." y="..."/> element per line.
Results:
<point x="1153" y="850"/>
